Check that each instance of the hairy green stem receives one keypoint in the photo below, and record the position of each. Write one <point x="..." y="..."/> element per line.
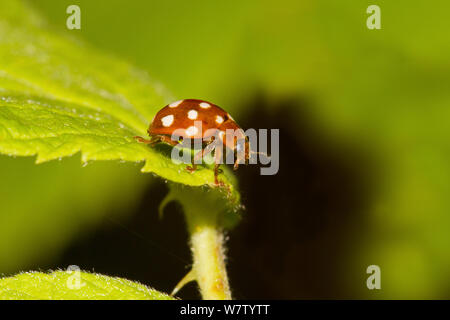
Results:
<point x="209" y="263"/>
<point x="207" y="244"/>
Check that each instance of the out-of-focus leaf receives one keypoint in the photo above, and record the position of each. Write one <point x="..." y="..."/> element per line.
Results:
<point x="72" y="285"/>
<point x="43" y="207"/>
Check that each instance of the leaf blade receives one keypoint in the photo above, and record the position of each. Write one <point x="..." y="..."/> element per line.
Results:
<point x="65" y="285"/>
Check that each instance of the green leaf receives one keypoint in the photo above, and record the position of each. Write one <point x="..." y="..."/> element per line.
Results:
<point x="59" y="97"/>
<point x="70" y="285"/>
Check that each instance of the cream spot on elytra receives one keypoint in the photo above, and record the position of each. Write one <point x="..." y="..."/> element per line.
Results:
<point x="167" y="120"/>
<point x="205" y="105"/>
<point x="219" y="119"/>
<point x="191" y="131"/>
<point x="175" y="104"/>
<point x="192" y="114"/>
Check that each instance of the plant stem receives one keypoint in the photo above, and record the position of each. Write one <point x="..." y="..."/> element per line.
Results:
<point x="209" y="263"/>
<point x="207" y="244"/>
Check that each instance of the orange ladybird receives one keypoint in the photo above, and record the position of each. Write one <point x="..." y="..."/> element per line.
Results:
<point x="199" y="119"/>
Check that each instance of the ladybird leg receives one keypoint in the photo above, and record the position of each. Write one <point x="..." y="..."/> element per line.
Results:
<point x="142" y="140"/>
<point x="199" y="155"/>
<point x="236" y="165"/>
<point x="152" y="141"/>
<point x="216" y="174"/>
<point x="218" y="160"/>
<point x="192" y="168"/>
<point x="167" y="140"/>
<point x="210" y="147"/>
<point x="238" y="161"/>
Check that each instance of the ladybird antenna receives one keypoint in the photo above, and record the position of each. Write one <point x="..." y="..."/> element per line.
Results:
<point x="259" y="152"/>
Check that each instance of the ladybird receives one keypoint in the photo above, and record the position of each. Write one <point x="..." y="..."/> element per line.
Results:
<point x="185" y="116"/>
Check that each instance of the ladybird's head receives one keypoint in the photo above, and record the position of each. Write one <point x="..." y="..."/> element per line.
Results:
<point x="234" y="139"/>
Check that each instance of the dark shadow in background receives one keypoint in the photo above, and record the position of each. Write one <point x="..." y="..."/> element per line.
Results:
<point x="298" y="225"/>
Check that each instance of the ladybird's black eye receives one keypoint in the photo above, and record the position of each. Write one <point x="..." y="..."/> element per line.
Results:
<point x="225" y="118"/>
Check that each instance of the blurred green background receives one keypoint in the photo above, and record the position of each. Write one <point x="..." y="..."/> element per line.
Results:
<point x="364" y="166"/>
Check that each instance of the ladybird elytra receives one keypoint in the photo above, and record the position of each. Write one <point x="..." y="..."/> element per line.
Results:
<point x="185" y="116"/>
